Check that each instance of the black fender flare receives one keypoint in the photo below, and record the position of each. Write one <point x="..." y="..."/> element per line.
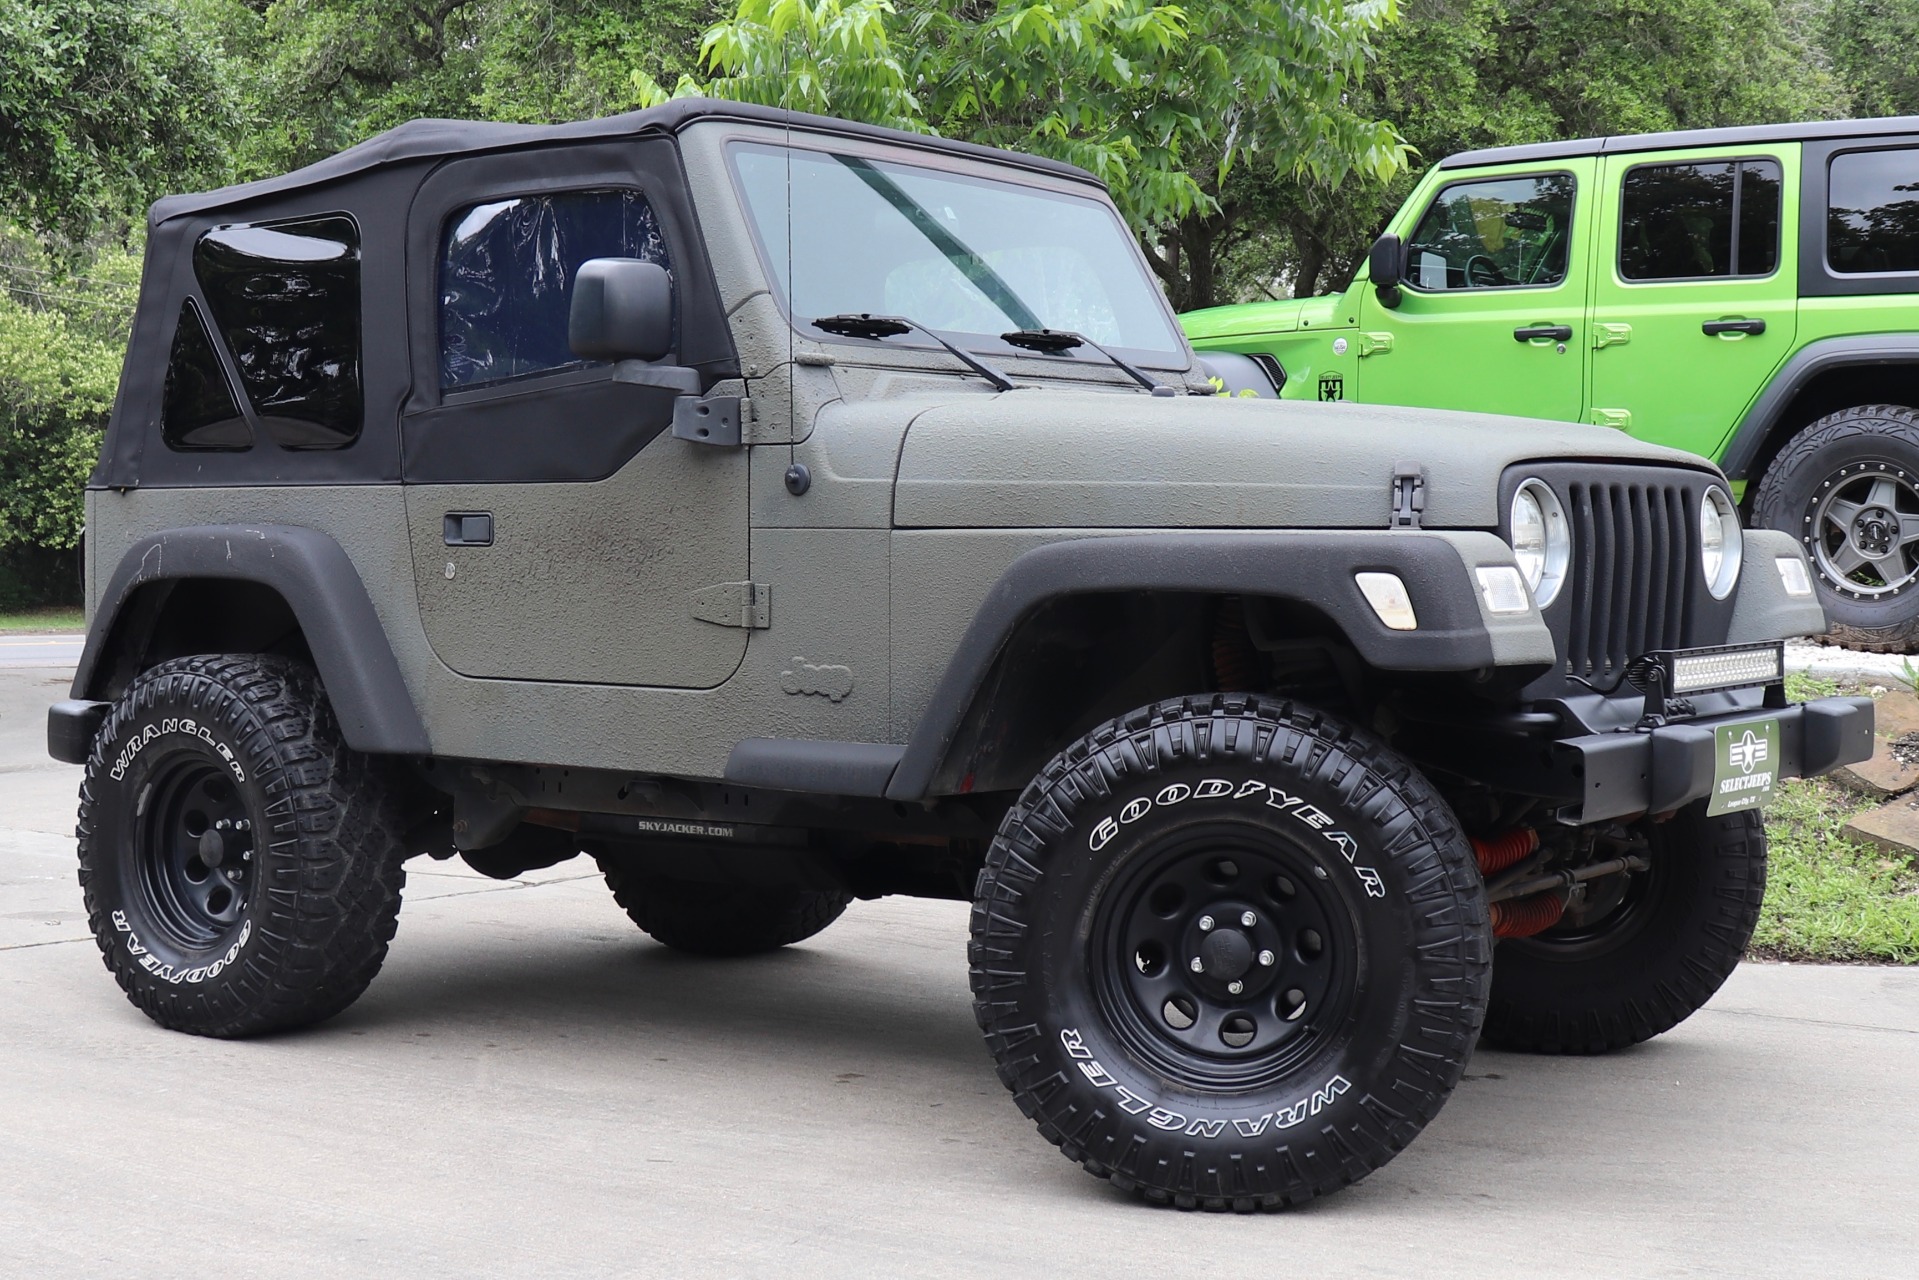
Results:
<point x="319" y="583"/>
<point x="1309" y="567"/>
<point x="1748" y="439"/>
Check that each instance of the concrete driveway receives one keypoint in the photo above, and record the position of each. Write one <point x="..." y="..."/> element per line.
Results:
<point x="533" y="1088"/>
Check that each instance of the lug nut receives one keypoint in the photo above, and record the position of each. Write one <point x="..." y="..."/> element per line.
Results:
<point x="1249" y="919"/>
<point x="1235" y="987"/>
<point x="1205" y="923"/>
<point x="1197" y="965"/>
<point x="1266" y="958"/>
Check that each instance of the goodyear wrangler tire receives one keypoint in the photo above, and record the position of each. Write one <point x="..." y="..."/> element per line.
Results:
<point x="1229" y="953"/>
<point x="1656" y="949"/>
<point x="718" y="919"/>
<point x="240" y="863"/>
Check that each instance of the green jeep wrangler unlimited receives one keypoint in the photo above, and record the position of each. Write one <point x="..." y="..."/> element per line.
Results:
<point x="1748" y="294"/>
<point x="782" y="511"/>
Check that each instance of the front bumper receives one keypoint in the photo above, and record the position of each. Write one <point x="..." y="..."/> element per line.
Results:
<point x="1599" y="776"/>
<point x="71" y="727"/>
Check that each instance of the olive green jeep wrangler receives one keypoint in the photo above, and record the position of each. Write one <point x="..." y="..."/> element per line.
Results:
<point x="781" y="511"/>
<point x="1748" y="294"/>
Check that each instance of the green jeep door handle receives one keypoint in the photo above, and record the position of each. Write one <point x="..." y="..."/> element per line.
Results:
<point x="1713" y="328"/>
<point x="1546" y="332"/>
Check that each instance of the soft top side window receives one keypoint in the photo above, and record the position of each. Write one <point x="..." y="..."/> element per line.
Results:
<point x="506" y="277"/>
<point x="197" y="409"/>
<point x="1872" y="223"/>
<point x="286" y="299"/>
<point x="1497" y="233"/>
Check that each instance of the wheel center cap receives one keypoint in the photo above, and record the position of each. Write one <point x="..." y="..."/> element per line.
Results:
<point x="213" y="849"/>
<point x="1227" y="953"/>
<point x="1873" y="531"/>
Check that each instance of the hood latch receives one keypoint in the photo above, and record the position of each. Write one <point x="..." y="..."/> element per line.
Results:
<point x="1409" y="495"/>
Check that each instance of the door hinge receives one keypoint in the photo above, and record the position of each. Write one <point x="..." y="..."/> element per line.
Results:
<point x="710" y="419"/>
<point x="1409" y="495"/>
<point x="1375" y="344"/>
<point x="1618" y="418"/>
<point x="1611" y="335"/>
<point x="735" y="604"/>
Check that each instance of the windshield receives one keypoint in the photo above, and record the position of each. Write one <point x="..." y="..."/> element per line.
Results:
<point x="970" y="257"/>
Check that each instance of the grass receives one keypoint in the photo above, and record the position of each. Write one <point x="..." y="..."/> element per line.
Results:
<point x="42" y="620"/>
<point x="1829" y="898"/>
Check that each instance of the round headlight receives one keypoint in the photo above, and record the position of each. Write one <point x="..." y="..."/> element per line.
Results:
<point x="1542" y="543"/>
<point x="1721" y="545"/>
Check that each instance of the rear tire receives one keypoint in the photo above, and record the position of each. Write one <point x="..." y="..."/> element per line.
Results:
<point x="720" y="919"/>
<point x="1229" y="953"/>
<point x="1841" y="486"/>
<point x="1674" y="938"/>
<point x="241" y="865"/>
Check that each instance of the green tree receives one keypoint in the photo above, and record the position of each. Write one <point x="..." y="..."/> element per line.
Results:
<point x="1165" y="102"/>
<point x="62" y="330"/>
<point x="321" y="75"/>
<point x="1870" y="43"/>
<point x="1461" y="74"/>
<point x="104" y="105"/>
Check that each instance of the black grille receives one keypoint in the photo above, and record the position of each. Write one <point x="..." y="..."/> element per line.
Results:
<point x="1634" y="584"/>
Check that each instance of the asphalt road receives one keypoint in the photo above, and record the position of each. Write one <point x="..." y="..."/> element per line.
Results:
<point x="533" y="1088"/>
<point x="40" y="651"/>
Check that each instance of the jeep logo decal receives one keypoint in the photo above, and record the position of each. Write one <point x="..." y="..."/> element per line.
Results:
<point x="830" y="682"/>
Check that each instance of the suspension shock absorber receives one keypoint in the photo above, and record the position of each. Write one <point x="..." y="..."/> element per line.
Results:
<point x="1235" y="661"/>
<point x="1504" y="850"/>
<point x="1523" y="917"/>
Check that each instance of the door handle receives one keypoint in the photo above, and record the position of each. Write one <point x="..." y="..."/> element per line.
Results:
<point x="469" y="528"/>
<point x="1546" y="332"/>
<point x="1712" y="328"/>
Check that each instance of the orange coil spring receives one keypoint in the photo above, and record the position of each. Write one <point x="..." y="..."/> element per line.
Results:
<point x="1503" y="851"/>
<point x="1527" y="916"/>
<point x="1235" y="661"/>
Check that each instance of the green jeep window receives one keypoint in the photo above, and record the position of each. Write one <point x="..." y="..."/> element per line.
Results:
<point x="1697" y="221"/>
<point x="1504" y="233"/>
<point x="1873" y="223"/>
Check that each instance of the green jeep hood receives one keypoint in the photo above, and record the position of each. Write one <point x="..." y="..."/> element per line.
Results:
<point x="1072" y="459"/>
<point x="1253" y="318"/>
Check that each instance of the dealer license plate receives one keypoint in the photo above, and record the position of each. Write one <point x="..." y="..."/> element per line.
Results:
<point x="1745" y="766"/>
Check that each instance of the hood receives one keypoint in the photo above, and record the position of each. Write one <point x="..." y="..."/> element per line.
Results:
<point x="1071" y="459"/>
<point x="1256" y="318"/>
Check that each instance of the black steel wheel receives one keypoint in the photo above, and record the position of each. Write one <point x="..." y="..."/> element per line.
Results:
<point x="1229" y="952"/>
<point x="241" y="864"/>
<point x="1648" y="950"/>
<point x="1847" y="487"/>
<point x="1223" y="956"/>
<point x="193" y="849"/>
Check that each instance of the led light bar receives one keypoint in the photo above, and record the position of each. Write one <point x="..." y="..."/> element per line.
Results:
<point x="1679" y="672"/>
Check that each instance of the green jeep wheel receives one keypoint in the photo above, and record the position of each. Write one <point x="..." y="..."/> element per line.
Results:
<point x="1848" y="488"/>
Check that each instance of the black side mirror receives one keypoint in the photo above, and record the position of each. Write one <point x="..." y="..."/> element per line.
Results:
<point x="1387" y="267"/>
<point x="622" y="310"/>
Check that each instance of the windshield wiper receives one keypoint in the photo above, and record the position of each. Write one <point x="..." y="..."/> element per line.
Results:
<point x="865" y="325"/>
<point x="1061" y="340"/>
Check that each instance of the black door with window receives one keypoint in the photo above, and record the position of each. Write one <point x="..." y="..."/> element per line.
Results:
<point x="560" y="532"/>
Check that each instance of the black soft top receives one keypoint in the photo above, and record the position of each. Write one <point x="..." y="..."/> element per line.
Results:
<point x="427" y="139"/>
<point x="1742" y="135"/>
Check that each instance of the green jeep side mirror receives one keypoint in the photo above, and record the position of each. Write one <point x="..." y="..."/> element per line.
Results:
<point x="622" y="310"/>
<point x="1387" y="267"/>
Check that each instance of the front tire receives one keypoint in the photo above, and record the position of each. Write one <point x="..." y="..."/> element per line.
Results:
<point x="1848" y="488"/>
<point x="1229" y="953"/>
<point x="241" y="865"/>
<point x="1656" y="956"/>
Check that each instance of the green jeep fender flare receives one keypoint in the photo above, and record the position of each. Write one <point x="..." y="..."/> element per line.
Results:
<point x="317" y="580"/>
<point x="1748" y="440"/>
